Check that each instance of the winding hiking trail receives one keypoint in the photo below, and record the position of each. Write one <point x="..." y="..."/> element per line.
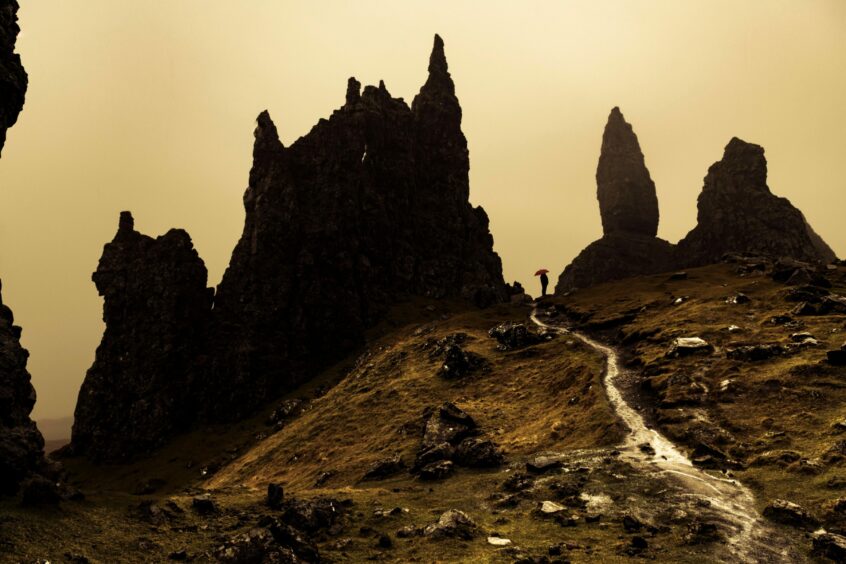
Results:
<point x="749" y="538"/>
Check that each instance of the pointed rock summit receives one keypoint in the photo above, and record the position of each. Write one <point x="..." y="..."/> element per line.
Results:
<point x="368" y="209"/>
<point x="737" y="213"/>
<point x="628" y="207"/>
<point x="626" y="192"/>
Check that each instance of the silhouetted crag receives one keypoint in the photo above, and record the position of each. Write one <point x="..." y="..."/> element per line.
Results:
<point x="21" y="445"/>
<point x="368" y="208"/>
<point x="156" y="309"/>
<point x="738" y="213"/>
<point x="13" y="79"/>
<point x="628" y="206"/>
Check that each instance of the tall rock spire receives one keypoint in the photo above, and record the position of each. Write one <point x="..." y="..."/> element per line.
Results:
<point x="626" y="192"/>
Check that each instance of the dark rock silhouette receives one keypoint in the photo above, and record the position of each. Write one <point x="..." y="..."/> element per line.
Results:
<point x="13" y="79"/>
<point x="367" y="209"/>
<point x="628" y="206"/>
<point x="625" y="190"/>
<point x="738" y="213"/>
<point x="156" y="308"/>
<point x="21" y="445"/>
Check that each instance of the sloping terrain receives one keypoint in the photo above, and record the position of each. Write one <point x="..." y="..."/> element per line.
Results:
<point x="764" y="398"/>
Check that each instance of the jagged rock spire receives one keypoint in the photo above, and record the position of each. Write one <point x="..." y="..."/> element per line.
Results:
<point x="439" y="83"/>
<point x="353" y="91"/>
<point x="626" y="192"/>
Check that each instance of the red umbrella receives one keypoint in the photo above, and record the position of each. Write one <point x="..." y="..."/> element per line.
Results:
<point x="541" y="271"/>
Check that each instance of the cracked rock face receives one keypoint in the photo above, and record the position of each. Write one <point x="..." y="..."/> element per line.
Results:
<point x="369" y="208"/>
<point x="156" y="308"/>
<point x="738" y="213"/>
<point x="21" y="445"/>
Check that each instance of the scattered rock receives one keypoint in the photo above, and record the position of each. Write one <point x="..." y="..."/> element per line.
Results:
<point x="550" y="508"/>
<point x="384" y="468"/>
<point x="512" y="336"/>
<point x="499" y="541"/>
<point x="288" y="409"/>
<point x="753" y="353"/>
<point x="829" y="545"/>
<point x="789" y="513"/>
<point x="543" y="463"/>
<point x="452" y="524"/>
<point x="478" y="453"/>
<point x="684" y="346"/>
<point x="459" y="363"/>
<point x="436" y="470"/>
<point x="738" y="299"/>
<point x="203" y="504"/>
<point x="447" y="424"/>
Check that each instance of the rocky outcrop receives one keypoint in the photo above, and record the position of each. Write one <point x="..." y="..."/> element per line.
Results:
<point x="21" y="445"/>
<point x="13" y="79"/>
<point x="738" y="213"/>
<point x="368" y="209"/>
<point x="156" y="309"/>
<point x="625" y="190"/>
<point x="628" y="206"/>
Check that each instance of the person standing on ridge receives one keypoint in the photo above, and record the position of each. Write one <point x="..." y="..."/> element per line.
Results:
<point x="544" y="280"/>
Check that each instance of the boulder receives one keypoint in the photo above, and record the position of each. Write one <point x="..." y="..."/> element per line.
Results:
<point x="512" y="336"/>
<point x="789" y="513"/>
<point x="384" y="468"/>
<point x="452" y="524"/>
<point x="752" y="353"/>
<point x="478" y="453"/>
<point x="685" y="346"/>
<point x="829" y="545"/>
<point x="447" y="424"/>
<point x="459" y="362"/>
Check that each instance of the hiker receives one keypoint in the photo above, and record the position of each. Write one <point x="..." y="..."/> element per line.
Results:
<point x="544" y="280"/>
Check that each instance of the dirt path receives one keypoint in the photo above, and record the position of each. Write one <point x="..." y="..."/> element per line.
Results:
<point x="749" y="537"/>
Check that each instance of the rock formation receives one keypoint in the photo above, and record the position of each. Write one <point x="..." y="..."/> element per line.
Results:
<point x="13" y="79"/>
<point x="738" y="213"/>
<point x="21" y="445"/>
<point x="628" y="206"/>
<point x="626" y="192"/>
<point x="369" y="208"/>
<point x="156" y="309"/>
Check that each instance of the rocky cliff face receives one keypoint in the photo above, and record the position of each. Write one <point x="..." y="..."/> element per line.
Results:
<point x="628" y="206"/>
<point x="156" y="309"/>
<point x="13" y="79"/>
<point x="738" y="213"/>
<point x="21" y="445"/>
<point x="370" y="207"/>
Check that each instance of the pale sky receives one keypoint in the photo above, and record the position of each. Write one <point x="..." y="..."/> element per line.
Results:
<point x="150" y="106"/>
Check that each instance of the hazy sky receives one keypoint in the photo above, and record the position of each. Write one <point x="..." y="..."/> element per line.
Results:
<point x="150" y="106"/>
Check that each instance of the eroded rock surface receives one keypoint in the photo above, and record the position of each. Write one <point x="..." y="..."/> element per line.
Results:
<point x="21" y="445"/>
<point x="13" y="78"/>
<point x="628" y="206"/>
<point x="738" y="213"/>
<point x="369" y="208"/>
<point x="156" y="306"/>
